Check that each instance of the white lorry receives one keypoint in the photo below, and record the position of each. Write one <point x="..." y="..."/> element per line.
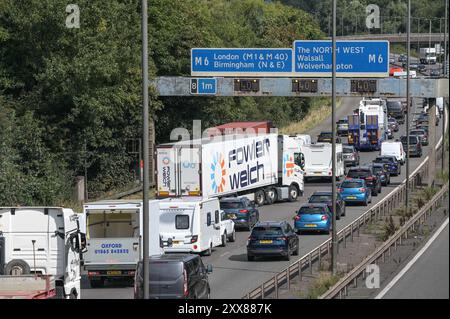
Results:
<point x="114" y="238"/>
<point x="318" y="160"/>
<point x="427" y="55"/>
<point x="190" y="224"/>
<point x="263" y="165"/>
<point x="45" y="242"/>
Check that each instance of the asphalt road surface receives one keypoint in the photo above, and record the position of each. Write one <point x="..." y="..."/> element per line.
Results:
<point x="428" y="278"/>
<point x="233" y="276"/>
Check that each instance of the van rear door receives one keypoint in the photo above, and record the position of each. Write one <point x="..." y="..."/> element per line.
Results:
<point x="167" y="279"/>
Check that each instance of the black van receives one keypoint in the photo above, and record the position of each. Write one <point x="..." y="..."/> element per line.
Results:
<point x="174" y="276"/>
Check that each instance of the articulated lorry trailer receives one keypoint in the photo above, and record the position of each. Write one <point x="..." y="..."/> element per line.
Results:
<point x="265" y="166"/>
<point x="427" y="55"/>
<point x="367" y="129"/>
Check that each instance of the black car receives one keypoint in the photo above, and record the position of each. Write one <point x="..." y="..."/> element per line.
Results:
<point x="390" y="163"/>
<point x="393" y="124"/>
<point x="350" y="155"/>
<point x="174" y="276"/>
<point x="272" y="239"/>
<point x="241" y="210"/>
<point x="326" y="137"/>
<point x="326" y="198"/>
<point x="395" y="110"/>
<point x="421" y="68"/>
<point x="415" y="146"/>
<point x="402" y="58"/>
<point x="383" y="172"/>
<point x="366" y="173"/>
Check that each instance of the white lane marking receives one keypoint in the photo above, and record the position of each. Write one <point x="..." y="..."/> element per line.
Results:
<point x="412" y="262"/>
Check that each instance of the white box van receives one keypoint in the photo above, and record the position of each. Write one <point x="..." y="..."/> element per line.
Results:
<point x="114" y="238"/>
<point x="189" y="224"/>
<point x="393" y="149"/>
<point x="302" y="139"/>
<point x="45" y="241"/>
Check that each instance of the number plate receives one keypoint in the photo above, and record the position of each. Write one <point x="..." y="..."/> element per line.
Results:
<point x="351" y="197"/>
<point x="265" y="241"/>
<point x="310" y="225"/>
<point x="114" y="272"/>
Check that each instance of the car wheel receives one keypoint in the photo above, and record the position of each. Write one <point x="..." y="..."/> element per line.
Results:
<point x="233" y="237"/>
<point x="208" y="252"/>
<point x="366" y="202"/>
<point x="260" y="198"/>
<point x="299" y="232"/>
<point x="250" y="257"/>
<point x="297" y="249"/>
<point x="73" y="295"/>
<point x="288" y="255"/>
<point x="338" y="216"/>
<point x="293" y="193"/>
<point x="344" y="211"/>
<point x="224" y="240"/>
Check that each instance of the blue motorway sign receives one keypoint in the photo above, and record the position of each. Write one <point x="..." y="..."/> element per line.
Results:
<point x="353" y="58"/>
<point x="204" y="86"/>
<point x="241" y="62"/>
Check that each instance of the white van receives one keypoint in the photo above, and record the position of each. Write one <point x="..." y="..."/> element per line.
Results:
<point x="114" y="238"/>
<point x="394" y="149"/>
<point x="45" y="241"/>
<point x="190" y="224"/>
<point x="318" y="160"/>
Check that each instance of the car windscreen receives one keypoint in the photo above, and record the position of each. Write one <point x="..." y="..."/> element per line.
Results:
<point x="412" y="139"/>
<point x="311" y="210"/>
<point x="231" y="205"/>
<point x="417" y="133"/>
<point x="325" y="135"/>
<point x="267" y="231"/>
<point x="383" y="160"/>
<point x="320" y="198"/>
<point x="347" y="150"/>
<point x="358" y="173"/>
<point x="394" y="105"/>
<point x="165" y="271"/>
<point x="351" y="185"/>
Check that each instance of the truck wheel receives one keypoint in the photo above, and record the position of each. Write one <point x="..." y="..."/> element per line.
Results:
<point x="17" y="267"/>
<point x="73" y="294"/>
<point x="260" y="198"/>
<point x="233" y="237"/>
<point x="293" y="193"/>
<point x="224" y="239"/>
<point x="271" y="196"/>
<point x="97" y="283"/>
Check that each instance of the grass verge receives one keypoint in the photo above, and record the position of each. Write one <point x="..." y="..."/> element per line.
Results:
<point x="319" y="111"/>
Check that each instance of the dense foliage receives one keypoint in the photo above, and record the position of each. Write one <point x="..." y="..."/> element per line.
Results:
<point x="70" y="99"/>
<point x="351" y="15"/>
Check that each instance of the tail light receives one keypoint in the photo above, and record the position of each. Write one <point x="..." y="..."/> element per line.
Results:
<point x="370" y="178"/>
<point x="282" y="238"/>
<point x="185" y="283"/>
<point x="297" y="217"/>
<point x="362" y="189"/>
<point x="194" y="239"/>
<point x="243" y="211"/>
<point x="324" y="217"/>
<point x="340" y="190"/>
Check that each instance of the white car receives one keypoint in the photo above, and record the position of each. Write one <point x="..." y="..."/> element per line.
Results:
<point x="227" y="231"/>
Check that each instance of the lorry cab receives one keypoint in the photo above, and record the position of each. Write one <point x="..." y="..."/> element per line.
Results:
<point x="189" y="225"/>
<point x="45" y="241"/>
<point x="114" y="238"/>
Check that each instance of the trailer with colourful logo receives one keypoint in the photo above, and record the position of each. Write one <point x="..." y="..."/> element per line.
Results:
<point x="231" y="165"/>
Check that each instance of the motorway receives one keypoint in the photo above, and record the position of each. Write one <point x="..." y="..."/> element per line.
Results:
<point x="428" y="277"/>
<point x="233" y="275"/>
